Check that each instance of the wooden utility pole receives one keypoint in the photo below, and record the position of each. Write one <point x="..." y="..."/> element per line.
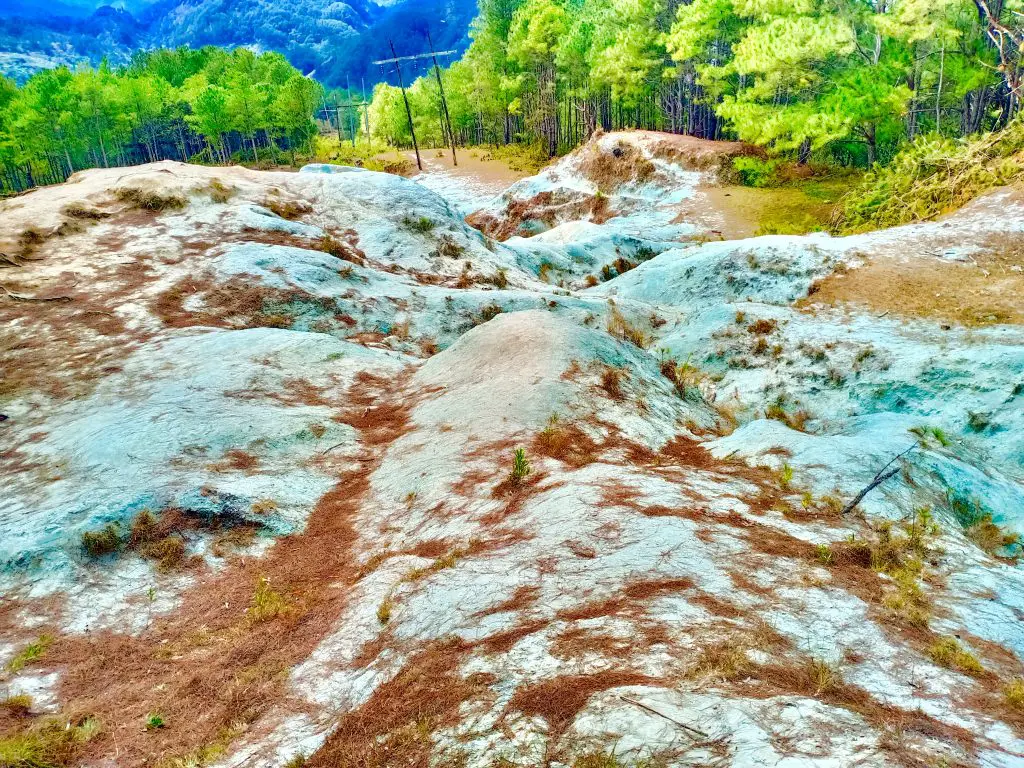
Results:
<point x="351" y="127"/>
<point x="366" y="110"/>
<point x="337" y="120"/>
<point x="444" y="103"/>
<point x="408" y="111"/>
<point x="398" y="71"/>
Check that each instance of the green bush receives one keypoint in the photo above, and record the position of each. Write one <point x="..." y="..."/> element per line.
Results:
<point x="755" y="172"/>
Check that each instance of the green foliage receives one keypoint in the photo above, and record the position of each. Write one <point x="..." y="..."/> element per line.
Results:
<point x="30" y="653"/>
<point x="423" y="224"/>
<point x="51" y="744"/>
<point x="155" y="721"/>
<point x="266" y="603"/>
<point x="202" y="105"/>
<point x="934" y="175"/>
<point x="105" y="541"/>
<point x="755" y="172"/>
<point x="520" y="466"/>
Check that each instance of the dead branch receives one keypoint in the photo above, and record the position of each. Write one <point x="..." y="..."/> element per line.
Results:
<point x="653" y="711"/>
<point x="23" y="297"/>
<point x="883" y="474"/>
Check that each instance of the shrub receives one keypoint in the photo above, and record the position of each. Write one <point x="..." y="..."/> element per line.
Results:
<point x="488" y="313"/>
<point x="447" y="247"/>
<point x="825" y="677"/>
<point x="785" y="477"/>
<point x="755" y="172"/>
<point x="288" y="209"/>
<point x="611" y="382"/>
<point x="155" y="721"/>
<point x="168" y="552"/>
<point x="500" y="279"/>
<point x="619" y="327"/>
<point x="422" y="225"/>
<point x="384" y="610"/>
<point x="105" y="541"/>
<point x="947" y="652"/>
<point x="520" y="466"/>
<point x="763" y="327"/>
<point x="150" y="199"/>
<point x="979" y="525"/>
<point x="339" y="249"/>
<point x="926" y="433"/>
<point x="219" y="192"/>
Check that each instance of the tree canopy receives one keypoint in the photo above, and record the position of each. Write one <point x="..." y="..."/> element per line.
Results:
<point x="203" y="104"/>
<point x="852" y="78"/>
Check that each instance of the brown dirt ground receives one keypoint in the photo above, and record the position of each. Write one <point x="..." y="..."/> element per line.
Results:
<point x="984" y="291"/>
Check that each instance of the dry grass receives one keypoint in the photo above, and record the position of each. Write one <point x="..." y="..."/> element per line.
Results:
<point x="609" y="170"/>
<point x="50" y="743"/>
<point x="611" y="382"/>
<point x="395" y="726"/>
<point x="149" y="199"/>
<point x="619" y="327"/>
<point x="79" y="210"/>
<point x="292" y="210"/>
<point x="566" y="442"/>
<point x="559" y="699"/>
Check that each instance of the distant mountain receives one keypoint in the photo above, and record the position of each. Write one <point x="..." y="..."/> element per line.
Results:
<point x="338" y="41"/>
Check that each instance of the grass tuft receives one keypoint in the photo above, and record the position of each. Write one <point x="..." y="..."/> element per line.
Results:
<point x="266" y="604"/>
<point x="947" y="652"/>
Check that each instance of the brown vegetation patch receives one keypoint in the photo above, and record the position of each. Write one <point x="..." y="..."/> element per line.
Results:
<point x="983" y="291"/>
<point x="240" y="302"/>
<point x="807" y="680"/>
<point x="521" y="599"/>
<point x="502" y="642"/>
<point x="235" y="459"/>
<point x="610" y="169"/>
<point x="716" y="606"/>
<point x="394" y="727"/>
<point x="516" y="214"/>
<point x="579" y="641"/>
<point x="560" y="699"/>
<point x="566" y="442"/>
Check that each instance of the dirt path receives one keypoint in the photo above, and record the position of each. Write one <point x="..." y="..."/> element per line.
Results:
<point x="469" y="185"/>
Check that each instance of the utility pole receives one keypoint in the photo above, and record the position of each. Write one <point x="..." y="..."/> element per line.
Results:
<point x="444" y="103"/>
<point x="398" y="70"/>
<point x="366" y="110"/>
<point x="351" y="127"/>
<point x="408" y="111"/>
<point x="337" y="120"/>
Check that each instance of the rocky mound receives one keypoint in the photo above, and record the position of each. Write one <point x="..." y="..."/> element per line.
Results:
<point x="301" y="469"/>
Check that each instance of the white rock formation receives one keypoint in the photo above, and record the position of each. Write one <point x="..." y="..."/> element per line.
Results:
<point x="336" y="365"/>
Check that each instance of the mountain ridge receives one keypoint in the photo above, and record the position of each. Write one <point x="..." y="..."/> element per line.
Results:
<point x="336" y="41"/>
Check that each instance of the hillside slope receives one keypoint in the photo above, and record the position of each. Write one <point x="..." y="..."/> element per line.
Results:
<point x="333" y="39"/>
<point x="260" y="435"/>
